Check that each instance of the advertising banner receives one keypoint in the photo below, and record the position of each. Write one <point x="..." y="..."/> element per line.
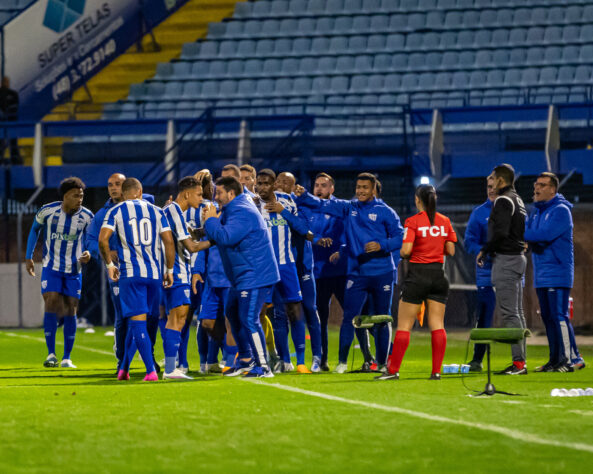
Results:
<point x="55" y="46"/>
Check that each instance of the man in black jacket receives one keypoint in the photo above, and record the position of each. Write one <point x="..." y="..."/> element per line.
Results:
<point x="506" y="246"/>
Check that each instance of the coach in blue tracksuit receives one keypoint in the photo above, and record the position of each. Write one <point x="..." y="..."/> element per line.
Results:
<point x="476" y="235"/>
<point x="548" y="231"/>
<point x="241" y="236"/>
<point x="373" y="231"/>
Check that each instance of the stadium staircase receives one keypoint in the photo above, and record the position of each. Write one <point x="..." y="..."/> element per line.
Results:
<point x="188" y="23"/>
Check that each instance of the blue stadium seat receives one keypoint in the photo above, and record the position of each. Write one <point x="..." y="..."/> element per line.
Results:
<point x="586" y="32"/>
<point x="504" y="17"/>
<point x="357" y="43"/>
<point x="552" y="34"/>
<point x="442" y="80"/>
<point x="302" y="85"/>
<point x="308" y="65"/>
<point x="345" y="64"/>
<point x="434" y="19"/>
<point x="191" y="50"/>
<point x="434" y="60"/>
<point x="209" y="88"/>
<point x="467" y="58"/>
<point x="192" y="89"/>
<point x="477" y="79"/>
<point x="235" y="28"/>
<point x="390" y="5"/>
<point x="243" y="10"/>
<point x="320" y="84"/>
<point x="414" y="41"/>
<point x="517" y="36"/>
<point x="371" y="6"/>
<point x="587" y="13"/>
<point x="282" y="86"/>
<point x="359" y="82"/>
<point x="288" y="26"/>
<point x="539" y="16"/>
<point x="320" y="45"/>
<point x="316" y="6"/>
<point x="218" y="68"/>
<point x="416" y="21"/>
<point x="522" y="16"/>
<point x="339" y="84"/>
<point x="246" y="87"/>
<point x="361" y="24"/>
<point x="500" y="37"/>
<point x="382" y="61"/>
<point x="343" y="24"/>
<point x="279" y="7"/>
<point x="235" y="67"/>
<point x="518" y="56"/>
<point x="571" y="33"/>
<point x="460" y="80"/>
<point x="376" y="82"/>
<point x="327" y="64"/>
<point x="352" y="5"/>
<point x="484" y="57"/>
<point x="173" y="89"/>
<point x="431" y="41"/>
<point x="570" y="54"/>
<point x="392" y="81"/>
<point x="261" y="8"/>
<point x="151" y="110"/>
<point x="535" y="55"/>
<point x="184" y="108"/>
<point x="453" y="19"/>
<point x="334" y="6"/>
<point x="530" y="76"/>
<point x="338" y="44"/>
<point x="553" y="54"/>
<point x="501" y="57"/>
<point x="488" y="18"/>
<point x="363" y="63"/>
<point x="465" y="38"/>
<point x="282" y="47"/>
<point x="227" y="48"/>
<point x="181" y="69"/>
<point x="399" y="62"/>
<point x="586" y="52"/>
<point x="483" y="38"/>
<point x="548" y="75"/>
<point x="394" y="42"/>
<point x="306" y="25"/>
<point x="416" y="61"/>
<point x="448" y="39"/>
<point x="582" y="74"/>
<point x="228" y="88"/>
<point x="376" y="42"/>
<point x="297" y="6"/>
<point x="471" y="18"/>
<point x="246" y="48"/>
<point x="379" y="23"/>
<point x="512" y="77"/>
<point x="325" y="23"/>
<point x="398" y="22"/>
<point x="426" y="81"/>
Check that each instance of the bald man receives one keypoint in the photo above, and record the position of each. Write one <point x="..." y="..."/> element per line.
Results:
<point x="92" y="245"/>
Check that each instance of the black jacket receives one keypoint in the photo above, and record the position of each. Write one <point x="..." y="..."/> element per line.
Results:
<point x="506" y="224"/>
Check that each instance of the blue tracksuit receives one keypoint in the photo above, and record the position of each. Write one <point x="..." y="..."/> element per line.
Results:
<point x="548" y="230"/>
<point x="476" y="235"/>
<point x="368" y="273"/>
<point x="330" y="278"/>
<point x="241" y="236"/>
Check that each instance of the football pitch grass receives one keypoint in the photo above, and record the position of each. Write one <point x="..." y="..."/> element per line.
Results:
<point x="84" y="420"/>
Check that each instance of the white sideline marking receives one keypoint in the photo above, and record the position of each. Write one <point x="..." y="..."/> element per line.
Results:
<point x="510" y="433"/>
<point x="40" y="339"/>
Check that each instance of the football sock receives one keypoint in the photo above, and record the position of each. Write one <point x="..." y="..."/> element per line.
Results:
<point x="163" y="329"/>
<point x="172" y="342"/>
<point x="202" y="338"/>
<point x="297" y="331"/>
<point x="69" y="335"/>
<point x="142" y="341"/>
<point x="382" y="342"/>
<point x="183" y="345"/>
<point x="130" y="349"/>
<point x="214" y="347"/>
<point x="231" y="352"/>
<point x="50" y="326"/>
<point x="281" y="335"/>
<point x="314" y="327"/>
<point x="439" y="344"/>
<point x="400" y="345"/>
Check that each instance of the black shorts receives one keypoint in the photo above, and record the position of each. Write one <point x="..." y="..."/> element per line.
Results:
<point x="425" y="281"/>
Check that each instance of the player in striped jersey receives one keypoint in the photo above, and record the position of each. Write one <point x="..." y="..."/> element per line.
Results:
<point x="280" y="214"/>
<point x="141" y="229"/>
<point x="63" y="225"/>
<point x="177" y="297"/>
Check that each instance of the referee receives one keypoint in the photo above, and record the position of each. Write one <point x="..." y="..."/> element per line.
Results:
<point x="506" y="246"/>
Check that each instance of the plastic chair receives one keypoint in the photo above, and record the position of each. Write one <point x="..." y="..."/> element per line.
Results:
<point x="327" y="64"/>
<point x="376" y="42"/>
<point x="345" y="63"/>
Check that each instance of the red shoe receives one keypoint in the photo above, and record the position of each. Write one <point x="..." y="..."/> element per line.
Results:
<point x="123" y="375"/>
<point x="152" y="377"/>
<point x="374" y="366"/>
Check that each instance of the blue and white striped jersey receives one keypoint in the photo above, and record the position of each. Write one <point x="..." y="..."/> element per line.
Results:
<point x="138" y="225"/>
<point x="63" y="236"/>
<point x="178" y="225"/>
<point x="193" y="217"/>
<point x="279" y="228"/>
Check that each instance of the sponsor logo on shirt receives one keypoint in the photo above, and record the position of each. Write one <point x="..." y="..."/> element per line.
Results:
<point x="244" y="294"/>
<point x="277" y="222"/>
<point x="354" y="213"/>
<point x="434" y="231"/>
<point x="306" y="277"/>
<point x="373" y="217"/>
<point x="386" y="287"/>
<point x="60" y="236"/>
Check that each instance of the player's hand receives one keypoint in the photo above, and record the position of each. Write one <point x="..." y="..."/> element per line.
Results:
<point x="30" y="267"/>
<point x="480" y="259"/>
<point x="200" y="175"/>
<point x="210" y="211"/>
<point x="299" y="190"/>
<point x="168" y="280"/>
<point x="114" y="257"/>
<point x="372" y="247"/>
<point x="113" y="273"/>
<point x="334" y="257"/>
<point x="195" y="279"/>
<point x="274" y="207"/>
<point x="168" y="201"/>
<point x="325" y="242"/>
<point x="85" y="257"/>
<point x="204" y="245"/>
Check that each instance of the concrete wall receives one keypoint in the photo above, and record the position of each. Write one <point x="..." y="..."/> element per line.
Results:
<point x="32" y="300"/>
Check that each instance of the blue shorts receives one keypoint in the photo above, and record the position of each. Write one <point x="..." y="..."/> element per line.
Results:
<point x="67" y="284"/>
<point x="139" y="296"/>
<point x="288" y="289"/>
<point x="178" y="295"/>
<point x="213" y="301"/>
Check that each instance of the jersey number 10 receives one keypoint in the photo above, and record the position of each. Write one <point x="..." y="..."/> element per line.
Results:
<point x="141" y="231"/>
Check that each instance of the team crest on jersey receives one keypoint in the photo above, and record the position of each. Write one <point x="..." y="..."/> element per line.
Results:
<point x="116" y="290"/>
<point x="349" y="284"/>
<point x="244" y="294"/>
<point x="373" y="217"/>
<point x="44" y="284"/>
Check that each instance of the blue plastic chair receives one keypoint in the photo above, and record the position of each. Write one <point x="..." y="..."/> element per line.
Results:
<point x="218" y="68"/>
<point x="450" y="59"/>
<point x="327" y="64"/>
<point x="376" y="42"/>
<point x="253" y="67"/>
<point x="183" y="68"/>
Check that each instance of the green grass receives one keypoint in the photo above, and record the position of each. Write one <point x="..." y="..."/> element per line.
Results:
<point x="83" y="420"/>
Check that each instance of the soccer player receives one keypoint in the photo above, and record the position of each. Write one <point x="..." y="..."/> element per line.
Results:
<point x="286" y="183"/>
<point x="476" y="235"/>
<point x="241" y="236"/>
<point x="373" y="232"/>
<point x="63" y="225"/>
<point x="548" y="231"/>
<point x="329" y="268"/>
<point x="281" y="216"/>
<point x="141" y="230"/>
<point x="177" y="296"/>
<point x="429" y="236"/>
<point x="248" y="176"/>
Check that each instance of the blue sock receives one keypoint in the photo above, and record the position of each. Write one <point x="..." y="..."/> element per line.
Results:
<point x="50" y="326"/>
<point x="152" y="328"/>
<point x="172" y="342"/>
<point x="183" y="344"/>
<point x="130" y="350"/>
<point x="280" y="327"/>
<point x="297" y="331"/>
<point x="214" y="347"/>
<point x="163" y="328"/>
<point x="143" y="343"/>
<point x="231" y="352"/>
<point x="382" y="341"/>
<point x="69" y="335"/>
<point x="202" y="338"/>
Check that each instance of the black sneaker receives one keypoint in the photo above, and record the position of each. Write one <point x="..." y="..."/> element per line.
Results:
<point x="435" y="376"/>
<point x="366" y="368"/>
<point x="324" y="367"/>
<point x="547" y="367"/>
<point x="475" y="366"/>
<point x="388" y="376"/>
<point x="563" y="367"/>
<point x="513" y="370"/>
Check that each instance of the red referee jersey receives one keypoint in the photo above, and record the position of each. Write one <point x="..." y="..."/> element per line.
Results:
<point x="429" y="241"/>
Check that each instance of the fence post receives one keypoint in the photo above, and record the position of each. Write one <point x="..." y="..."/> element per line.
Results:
<point x="171" y="155"/>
